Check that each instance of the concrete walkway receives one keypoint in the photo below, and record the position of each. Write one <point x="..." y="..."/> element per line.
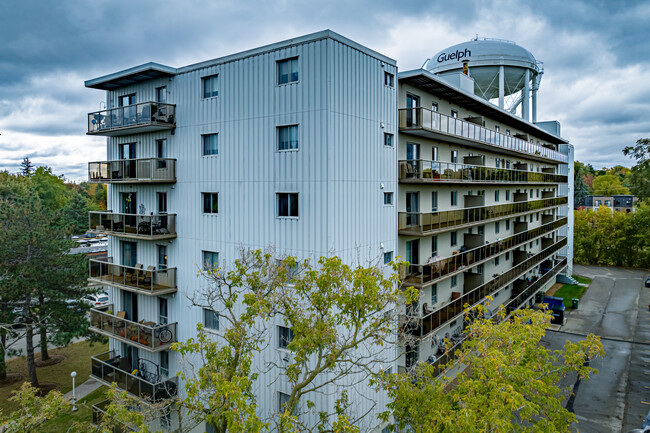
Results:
<point x="84" y="389"/>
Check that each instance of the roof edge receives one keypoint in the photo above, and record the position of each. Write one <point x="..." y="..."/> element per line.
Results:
<point x="96" y="83"/>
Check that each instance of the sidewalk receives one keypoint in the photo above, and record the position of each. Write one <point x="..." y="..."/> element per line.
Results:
<point x="84" y="389"/>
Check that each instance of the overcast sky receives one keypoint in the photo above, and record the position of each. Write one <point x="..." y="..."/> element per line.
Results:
<point x="595" y="54"/>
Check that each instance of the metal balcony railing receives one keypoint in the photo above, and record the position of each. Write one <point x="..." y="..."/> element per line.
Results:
<point x="143" y="170"/>
<point x="420" y="224"/>
<point x="143" y="117"/>
<point x="419" y="170"/>
<point x="150" y="281"/>
<point x="144" y="334"/>
<point x="110" y="367"/>
<point x="421" y="118"/>
<point x="421" y="327"/>
<point x="421" y="275"/>
<point x="133" y="226"/>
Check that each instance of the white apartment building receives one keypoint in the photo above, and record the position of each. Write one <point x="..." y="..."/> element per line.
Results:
<point x="315" y="146"/>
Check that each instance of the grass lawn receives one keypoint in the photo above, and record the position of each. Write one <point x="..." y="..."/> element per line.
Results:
<point x="83" y="414"/>
<point x="570" y="291"/>
<point x="77" y="358"/>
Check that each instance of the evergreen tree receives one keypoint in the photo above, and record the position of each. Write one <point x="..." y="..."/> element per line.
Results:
<point x="26" y="167"/>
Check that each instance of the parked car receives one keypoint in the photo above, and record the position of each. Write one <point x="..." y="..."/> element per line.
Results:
<point x="647" y="282"/>
<point x="97" y="301"/>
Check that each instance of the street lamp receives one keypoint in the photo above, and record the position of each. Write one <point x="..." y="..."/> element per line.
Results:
<point x="74" y="399"/>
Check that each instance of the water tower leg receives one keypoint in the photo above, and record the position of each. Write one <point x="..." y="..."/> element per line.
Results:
<point x="534" y="106"/>
<point x="525" y="108"/>
<point x="502" y="91"/>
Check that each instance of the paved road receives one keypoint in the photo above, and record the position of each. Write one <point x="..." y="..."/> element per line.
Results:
<point x="616" y="308"/>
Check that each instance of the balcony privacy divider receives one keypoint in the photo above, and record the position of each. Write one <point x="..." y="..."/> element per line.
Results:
<point x="145" y="113"/>
<point x="439" y="267"/>
<point x="429" y="120"/>
<point x="435" y="171"/>
<point x="133" y="170"/>
<point x="163" y="225"/>
<point x="426" y="223"/>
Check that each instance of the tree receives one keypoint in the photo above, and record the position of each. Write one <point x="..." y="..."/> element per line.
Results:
<point x="639" y="178"/>
<point x="75" y="214"/>
<point x="609" y="184"/>
<point x="26" y="167"/>
<point x="511" y="382"/>
<point x="34" y="410"/>
<point x="50" y="188"/>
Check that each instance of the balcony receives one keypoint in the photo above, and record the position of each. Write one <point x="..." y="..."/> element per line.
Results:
<point x="454" y="309"/>
<point x="144" y="335"/>
<point x="132" y="119"/>
<point x="99" y="410"/>
<point x="435" y="172"/>
<point x="143" y="170"/>
<point x="425" y="275"/>
<point x="422" y="224"/>
<point x="148" y="227"/>
<point x="150" y="282"/>
<point x="148" y="384"/>
<point x="428" y="123"/>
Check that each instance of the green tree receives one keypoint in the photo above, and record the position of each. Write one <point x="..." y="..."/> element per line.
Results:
<point x="609" y="184"/>
<point x="75" y="214"/>
<point x="34" y="410"/>
<point x="26" y="167"/>
<point x="50" y="188"/>
<point x="511" y="383"/>
<point x="639" y="177"/>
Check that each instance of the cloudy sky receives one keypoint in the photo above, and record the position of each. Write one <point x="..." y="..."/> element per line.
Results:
<point x="595" y="54"/>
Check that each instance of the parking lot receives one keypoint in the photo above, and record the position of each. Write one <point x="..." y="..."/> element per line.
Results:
<point x="616" y="308"/>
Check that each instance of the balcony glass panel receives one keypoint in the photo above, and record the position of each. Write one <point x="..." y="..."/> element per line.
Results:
<point x="130" y="225"/>
<point x="143" y="114"/>
<point x="133" y="170"/>
<point x="148" y="281"/>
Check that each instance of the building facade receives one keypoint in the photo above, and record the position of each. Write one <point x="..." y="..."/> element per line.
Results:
<point x="620" y="203"/>
<point x="314" y="146"/>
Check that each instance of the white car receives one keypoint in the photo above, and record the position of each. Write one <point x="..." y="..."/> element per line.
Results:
<point x="97" y="301"/>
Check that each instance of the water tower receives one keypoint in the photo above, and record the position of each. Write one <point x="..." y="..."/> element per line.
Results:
<point x="500" y="69"/>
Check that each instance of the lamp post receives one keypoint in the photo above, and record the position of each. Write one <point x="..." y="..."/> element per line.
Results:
<point x="74" y="399"/>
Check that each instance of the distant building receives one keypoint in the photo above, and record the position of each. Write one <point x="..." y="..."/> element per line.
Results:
<point x="621" y="203"/>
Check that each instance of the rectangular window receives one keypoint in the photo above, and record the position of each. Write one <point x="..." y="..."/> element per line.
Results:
<point x="508" y="255"/>
<point x="497" y="226"/>
<point x="496" y="195"/>
<point x="538" y="193"/>
<point x="164" y="363"/>
<point x="162" y="202"/>
<point x="285" y="335"/>
<point x="210" y="260"/>
<point x="434" y="246"/>
<point x="507" y="194"/>
<point x="507" y="132"/>
<point x="454" y="239"/>
<point x="163" y="311"/>
<point x="161" y="152"/>
<point x="210" y="86"/>
<point x="388" y="257"/>
<point x="162" y="257"/>
<point x="126" y="100"/>
<point x="288" y="70"/>
<point x="507" y="225"/>
<point x="434" y="201"/>
<point x="434" y="106"/>
<point x="454" y="114"/>
<point x="496" y="261"/>
<point x="530" y="193"/>
<point x="454" y="198"/>
<point x="454" y="156"/>
<point x="434" y="294"/>
<point x="388" y="139"/>
<point x="210" y="319"/>
<point x="287" y="204"/>
<point x="388" y="198"/>
<point x="389" y="79"/>
<point x="508" y="164"/>
<point x="454" y="280"/>
<point x="210" y="144"/>
<point x="210" y="202"/>
<point x="283" y="399"/>
<point x="498" y="162"/>
<point x="434" y="153"/>
<point x="161" y="94"/>
<point x="288" y="137"/>
<point x="497" y="128"/>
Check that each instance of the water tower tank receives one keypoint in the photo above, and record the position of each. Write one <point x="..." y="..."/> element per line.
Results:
<point x="500" y="69"/>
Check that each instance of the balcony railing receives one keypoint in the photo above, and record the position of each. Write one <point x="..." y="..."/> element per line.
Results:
<point x="421" y="118"/>
<point x="143" y="117"/>
<point x="150" y="281"/>
<point x="144" y="334"/>
<point x="144" y="170"/>
<point x="148" y="385"/>
<point x="133" y="226"/>
<point x="99" y="410"/>
<point x="421" y="275"/>
<point x="419" y="170"/>
<point x="420" y="224"/>
<point x="452" y="310"/>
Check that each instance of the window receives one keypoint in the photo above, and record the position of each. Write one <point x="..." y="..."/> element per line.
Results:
<point x="454" y="156"/>
<point x="287" y="204"/>
<point x="496" y="195"/>
<point x="210" y="319"/>
<point x="530" y="218"/>
<point x="210" y="86"/>
<point x="210" y="202"/>
<point x="507" y="194"/>
<point x="454" y="239"/>
<point x="537" y="242"/>
<point x="389" y="79"/>
<point x="388" y="139"/>
<point x="507" y="225"/>
<point x="498" y="162"/>
<point x="162" y="202"/>
<point x="480" y="230"/>
<point x="434" y="153"/>
<point x="162" y="257"/>
<point x="434" y="294"/>
<point x="288" y="137"/>
<point x="508" y="164"/>
<point x="496" y="261"/>
<point x="454" y="198"/>
<point x="507" y="132"/>
<point x="161" y="94"/>
<point x="126" y="100"/>
<point x="454" y="280"/>
<point x="127" y="151"/>
<point x="210" y="260"/>
<point x="283" y="399"/>
<point x="538" y="193"/>
<point x="454" y="114"/>
<point x="497" y="128"/>
<point x="497" y="226"/>
<point x="163" y="311"/>
<point x="210" y="144"/>
<point x="161" y="152"/>
<point x="434" y="246"/>
<point x="388" y="198"/>
<point x="508" y="255"/>
<point x="164" y="363"/>
<point x="434" y="201"/>
<point x="434" y="106"/>
<point x="530" y="245"/>
<point x="288" y="71"/>
<point x="285" y="335"/>
<point x="530" y="193"/>
<point x="388" y="257"/>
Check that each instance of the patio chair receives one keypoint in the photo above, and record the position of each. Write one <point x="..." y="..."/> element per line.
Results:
<point x="146" y="277"/>
<point x="132" y="274"/>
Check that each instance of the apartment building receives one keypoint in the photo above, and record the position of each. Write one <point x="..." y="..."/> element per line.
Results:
<point x="620" y="203"/>
<point x="314" y="146"/>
